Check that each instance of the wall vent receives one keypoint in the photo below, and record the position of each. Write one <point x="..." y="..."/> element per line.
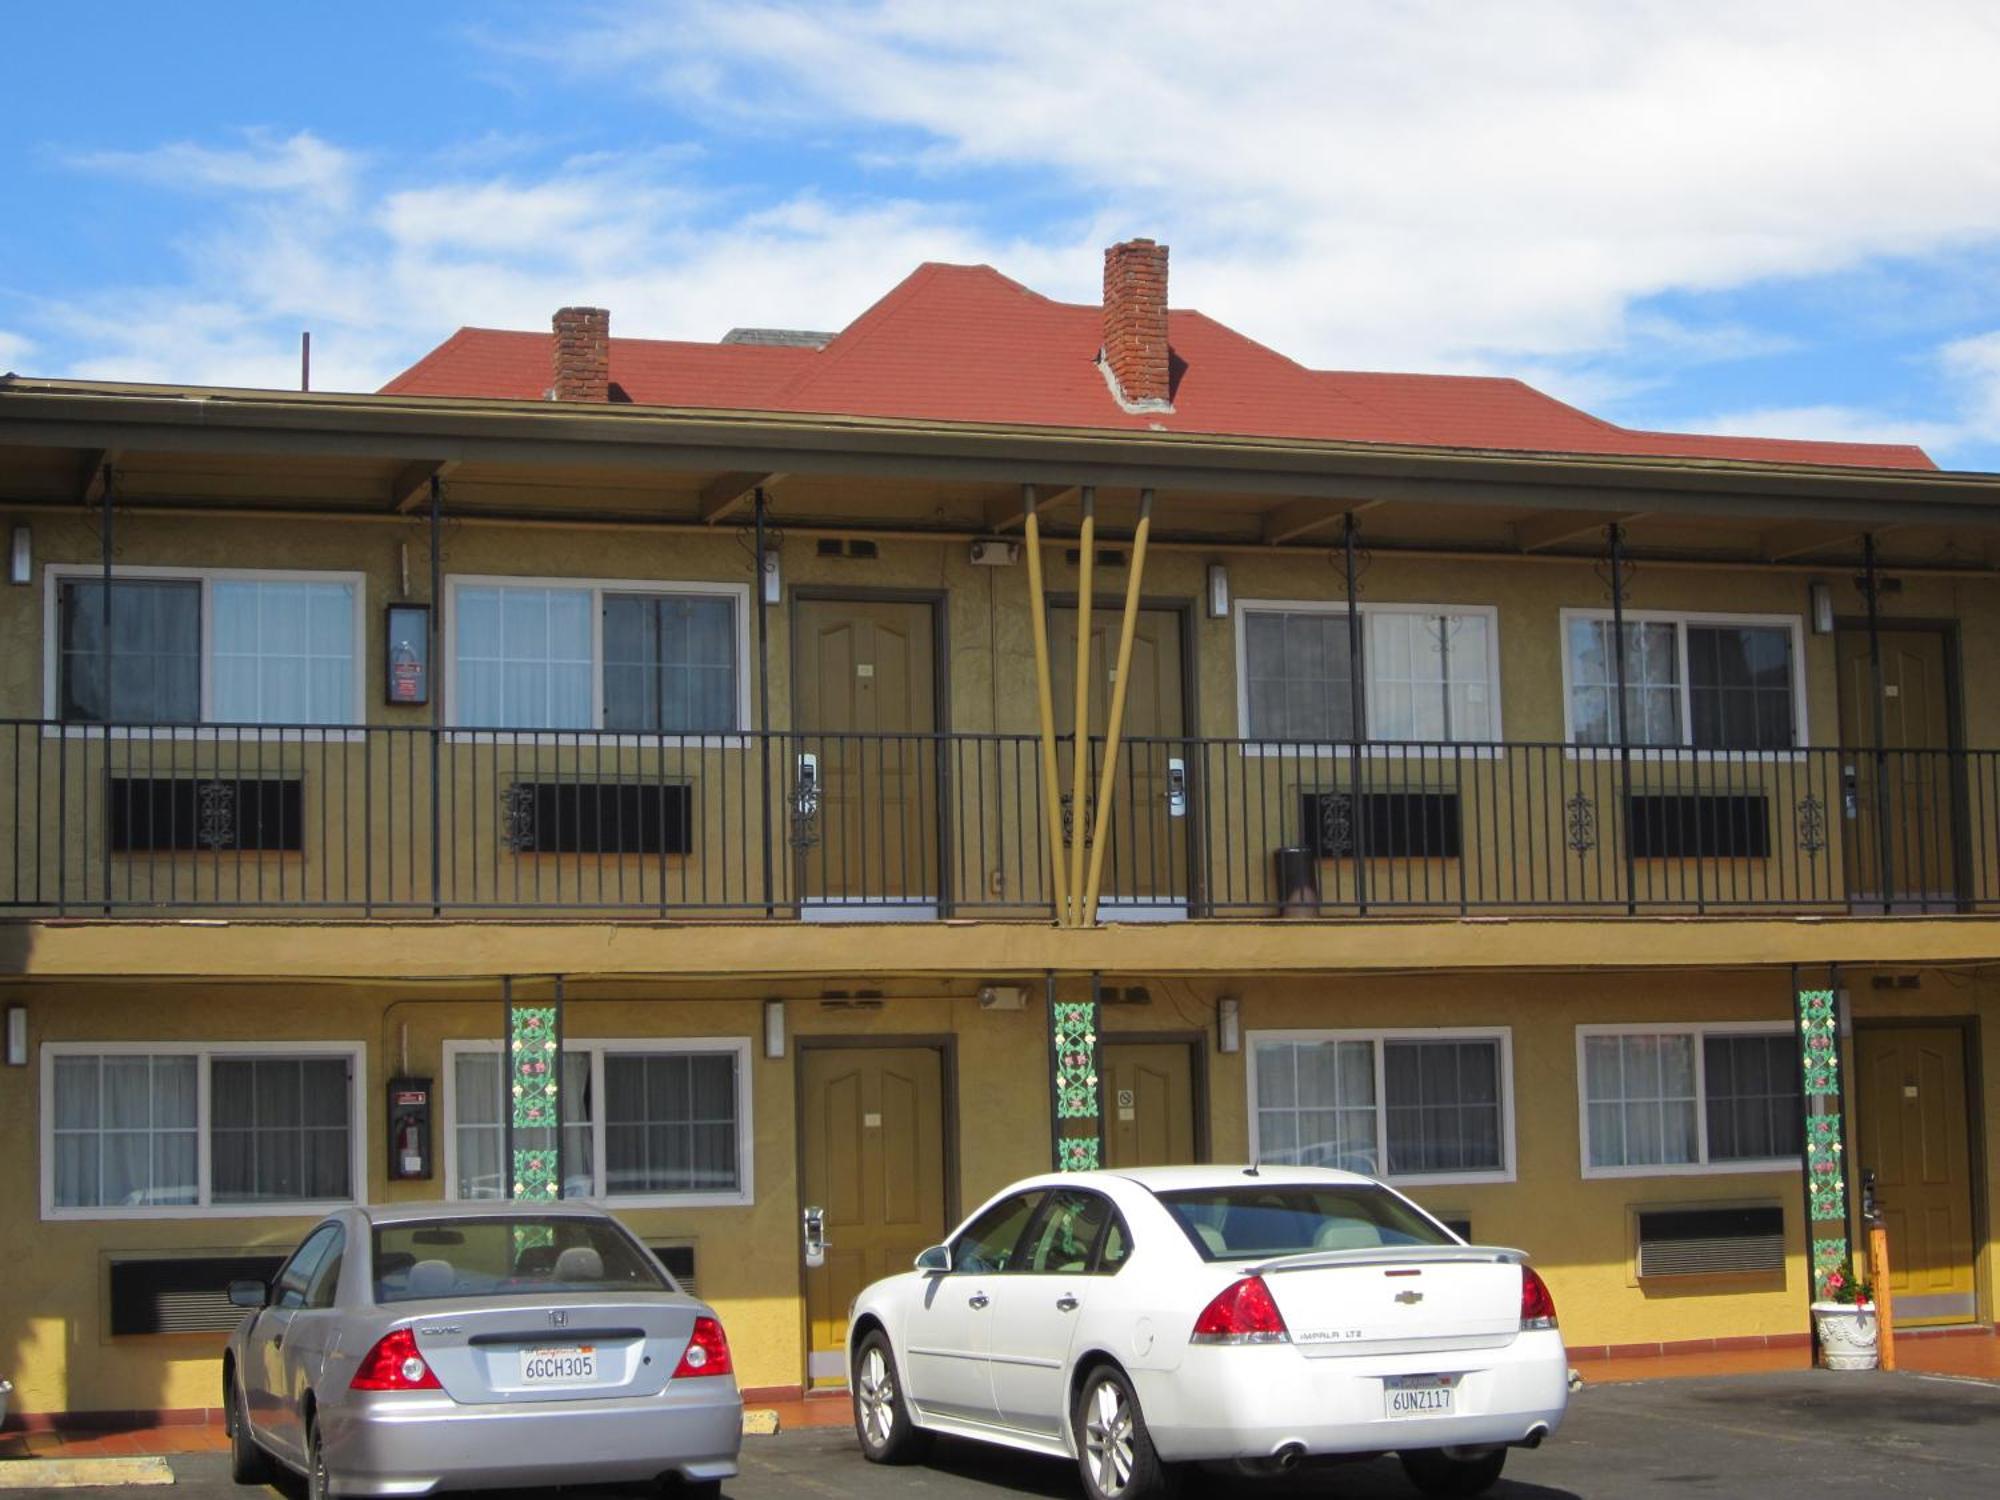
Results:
<point x="184" y="1294"/>
<point x="1711" y="1241"/>
<point x="679" y="1261"/>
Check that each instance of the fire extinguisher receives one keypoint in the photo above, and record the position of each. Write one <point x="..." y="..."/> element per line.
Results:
<point x="406" y="675"/>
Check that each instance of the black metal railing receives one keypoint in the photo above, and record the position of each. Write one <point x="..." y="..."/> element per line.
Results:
<point x="149" y="818"/>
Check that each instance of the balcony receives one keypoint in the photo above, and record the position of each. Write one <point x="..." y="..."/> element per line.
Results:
<point x="152" y="820"/>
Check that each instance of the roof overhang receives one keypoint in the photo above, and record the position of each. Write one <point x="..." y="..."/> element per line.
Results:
<point x="249" y="426"/>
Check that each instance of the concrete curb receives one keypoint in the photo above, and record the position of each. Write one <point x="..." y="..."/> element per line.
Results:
<point x="760" y="1422"/>
<point x="77" y="1473"/>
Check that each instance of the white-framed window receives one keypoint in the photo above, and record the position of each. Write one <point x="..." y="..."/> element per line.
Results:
<point x="192" y="646"/>
<point x="1425" y="1105"/>
<point x="178" y="1130"/>
<point x="646" y="1123"/>
<point x="1670" y="1099"/>
<point x="571" y="653"/>
<point x="1430" y="672"/>
<point x="1695" y="681"/>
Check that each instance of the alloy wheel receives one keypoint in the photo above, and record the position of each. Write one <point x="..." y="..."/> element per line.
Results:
<point x="317" y="1487"/>
<point x="878" y="1397"/>
<point x="1107" y="1438"/>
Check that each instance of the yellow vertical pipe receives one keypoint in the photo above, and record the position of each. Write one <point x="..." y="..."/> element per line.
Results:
<point x="1046" y="703"/>
<point x="1115" y="721"/>
<point x="1080" y="769"/>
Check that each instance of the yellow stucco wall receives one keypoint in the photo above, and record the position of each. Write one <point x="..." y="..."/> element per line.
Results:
<point x="53" y="1338"/>
<point x="987" y="626"/>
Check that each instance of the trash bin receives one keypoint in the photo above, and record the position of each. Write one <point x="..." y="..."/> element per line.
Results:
<point x="1298" y="882"/>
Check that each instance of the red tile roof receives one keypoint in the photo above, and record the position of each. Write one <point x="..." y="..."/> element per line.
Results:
<point x="966" y="344"/>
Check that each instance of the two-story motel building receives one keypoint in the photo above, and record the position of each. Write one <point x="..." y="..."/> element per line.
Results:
<point x="1471" y="788"/>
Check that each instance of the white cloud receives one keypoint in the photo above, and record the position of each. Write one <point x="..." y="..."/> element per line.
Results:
<point x="14" y="348"/>
<point x="1431" y="185"/>
<point x="301" y="165"/>
<point x="1835" y="424"/>
<point x="1415" y="184"/>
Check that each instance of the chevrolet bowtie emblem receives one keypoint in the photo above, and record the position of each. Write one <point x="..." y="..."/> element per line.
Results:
<point x="1409" y="1299"/>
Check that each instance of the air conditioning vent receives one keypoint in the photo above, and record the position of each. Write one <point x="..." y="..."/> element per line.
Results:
<point x="188" y="1294"/>
<point x="1711" y="1241"/>
<point x="679" y="1261"/>
<point x="598" y="817"/>
<point x="1704" y="825"/>
<point x="162" y="814"/>
<point x="1391" y="825"/>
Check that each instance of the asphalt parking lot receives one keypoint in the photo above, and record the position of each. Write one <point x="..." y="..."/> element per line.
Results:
<point x="1748" y="1435"/>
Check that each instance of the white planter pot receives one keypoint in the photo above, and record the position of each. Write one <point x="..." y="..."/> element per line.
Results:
<point x="1846" y="1335"/>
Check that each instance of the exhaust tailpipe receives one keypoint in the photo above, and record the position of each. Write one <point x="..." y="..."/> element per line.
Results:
<point x="1535" y="1435"/>
<point x="1287" y="1458"/>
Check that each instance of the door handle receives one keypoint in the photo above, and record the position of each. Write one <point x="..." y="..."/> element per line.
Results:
<point x="1065" y="1303"/>
<point x="977" y="1299"/>
<point x="815" y="1226"/>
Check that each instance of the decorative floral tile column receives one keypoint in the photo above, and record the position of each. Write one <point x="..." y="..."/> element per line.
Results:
<point x="1825" y="1133"/>
<point x="1077" y="1096"/>
<point x="534" y="1047"/>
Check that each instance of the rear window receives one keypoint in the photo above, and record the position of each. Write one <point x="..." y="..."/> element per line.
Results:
<point x="1253" y="1222"/>
<point x="507" y="1255"/>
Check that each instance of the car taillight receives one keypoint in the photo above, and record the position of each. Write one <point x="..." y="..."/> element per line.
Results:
<point x="394" y="1365"/>
<point x="707" y="1352"/>
<point x="1242" y="1313"/>
<point x="1538" y="1308"/>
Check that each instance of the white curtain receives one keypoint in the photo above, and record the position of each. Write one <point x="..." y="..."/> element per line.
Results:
<point x="1316" y="1104"/>
<point x="524" y="657"/>
<point x="283" y="652"/>
<point x="125" y="1131"/>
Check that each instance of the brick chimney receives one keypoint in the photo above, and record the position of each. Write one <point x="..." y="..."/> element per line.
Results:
<point x="583" y="355"/>
<point x="1135" y="325"/>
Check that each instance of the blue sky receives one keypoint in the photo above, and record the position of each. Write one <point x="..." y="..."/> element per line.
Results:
<point x="1781" y="218"/>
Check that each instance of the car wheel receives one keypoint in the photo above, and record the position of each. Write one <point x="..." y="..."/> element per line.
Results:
<point x="248" y="1464"/>
<point x="889" y="1435"/>
<point x="694" y="1489"/>
<point x="1113" y="1449"/>
<point x="1453" y="1471"/>
<point x="319" y="1484"/>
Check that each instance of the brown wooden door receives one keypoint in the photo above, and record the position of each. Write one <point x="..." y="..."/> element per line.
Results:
<point x="872" y="1156"/>
<point x="865" y="702"/>
<point x="1910" y="792"/>
<point x="1149" y="1107"/>
<point x="1915" y="1138"/>
<point x="1146" y="858"/>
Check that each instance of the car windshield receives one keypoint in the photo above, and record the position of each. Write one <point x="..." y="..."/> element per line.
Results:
<point x="1255" y="1222"/>
<point x="506" y="1255"/>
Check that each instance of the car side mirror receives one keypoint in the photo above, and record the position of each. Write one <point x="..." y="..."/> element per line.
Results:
<point x="249" y="1293"/>
<point x="935" y="1260"/>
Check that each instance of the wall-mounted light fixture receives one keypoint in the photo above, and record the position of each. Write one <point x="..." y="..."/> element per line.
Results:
<point x="774" y="1028"/>
<point x="1218" y="591"/>
<point x="21" y="559"/>
<point x="774" y="585"/>
<point x="1822" y="608"/>
<point x="1228" y="1025"/>
<point x="17" y="1036"/>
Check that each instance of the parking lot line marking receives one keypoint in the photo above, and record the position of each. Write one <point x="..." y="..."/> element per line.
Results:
<point x="78" y="1473"/>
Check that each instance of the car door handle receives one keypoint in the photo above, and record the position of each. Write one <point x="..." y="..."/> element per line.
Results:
<point x="1065" y="1303"/>
<point x="977" y="1299"/>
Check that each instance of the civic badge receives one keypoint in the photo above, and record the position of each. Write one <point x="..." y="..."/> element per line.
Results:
<point x="557" y="1318"/>
<point x="1408" y="1299"/>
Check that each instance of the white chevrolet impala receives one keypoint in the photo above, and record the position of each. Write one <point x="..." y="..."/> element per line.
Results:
<point x="1136" y="1320"/>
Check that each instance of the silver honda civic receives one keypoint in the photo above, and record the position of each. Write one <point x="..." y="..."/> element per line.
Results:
<point x="421" y="1347"/>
